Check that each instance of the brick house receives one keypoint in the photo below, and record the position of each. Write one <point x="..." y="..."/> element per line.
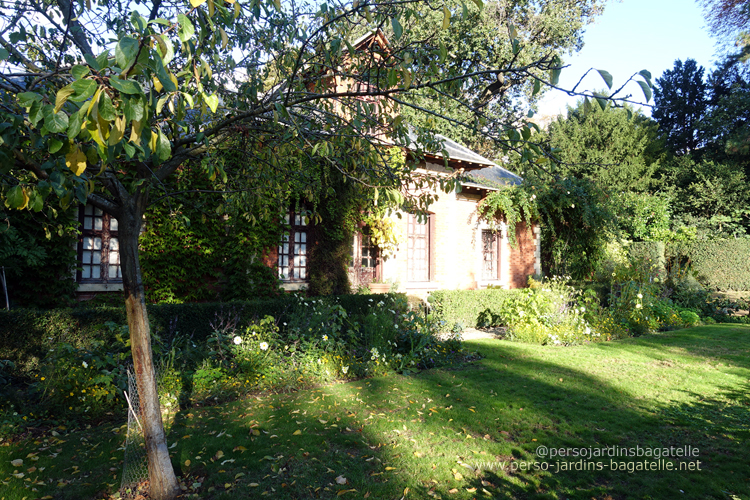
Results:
<point x="449" y="249"/>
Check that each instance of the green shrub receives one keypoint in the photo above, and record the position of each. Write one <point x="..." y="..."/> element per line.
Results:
<point x="550" y="313"/>
<point x="26" y="334"/>
<point x="469" y="308"/>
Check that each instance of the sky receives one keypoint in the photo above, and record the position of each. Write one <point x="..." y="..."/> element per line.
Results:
<point x="632" y="35"/>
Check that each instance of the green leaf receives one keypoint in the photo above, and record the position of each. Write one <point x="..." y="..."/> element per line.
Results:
<point x="4" y="54"/>
<point x="443" y="52"/>
<point x="537" y="87"/>
<point x="79" y="71"/>
<point x="106" y="109"/>
<point x="602" y="102"/>
<point x="133" y="108"/>
<point x="74" y="125"/>
<point x="36" y="112"/>
<point x="83" y="90"/>
<point x="606" y="77"/>
<point x="212" y="101"/>
<point x="126" y="52"/>
<point x="186" y="30"/>
<point x="526" y="133"/>
<point x="103" y="60"/>
<point x="62" y="96"/>
<point x="398" y="30"/>
<point x="646" y="90"/>
<point x="55" y="145"/>
<point x="163" y="76"/>
<point x="554" y="75"/>
<point x="26" y="99"/>
<point x="56" y="122"/>
<point x="647" y="75"/>
<point x="130" y="87"/>
<point x="92" y="61"/>
<point x="16" y="198"/>
<point x="165" y="49"/>
<point x="36" y="201"/>
<point x="163" y="147"/>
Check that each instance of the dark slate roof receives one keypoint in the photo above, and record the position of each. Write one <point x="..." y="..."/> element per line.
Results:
<point x="489" y="175"/>
<point x="494" y="176"/>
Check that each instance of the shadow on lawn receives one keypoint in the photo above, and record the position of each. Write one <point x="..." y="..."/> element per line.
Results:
<point x="483" y="420"/>
<point x="490" y="415"/>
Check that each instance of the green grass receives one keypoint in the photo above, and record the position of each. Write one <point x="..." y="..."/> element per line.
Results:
<point x="450" y="433"/>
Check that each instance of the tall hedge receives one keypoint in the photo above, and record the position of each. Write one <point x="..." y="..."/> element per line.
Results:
<point x="718" y="264"/>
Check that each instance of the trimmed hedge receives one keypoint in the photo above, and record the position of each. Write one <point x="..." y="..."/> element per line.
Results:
<point x="718" y="264"/>
<point x="469" y="308"/>
<point x="26" y="335"/>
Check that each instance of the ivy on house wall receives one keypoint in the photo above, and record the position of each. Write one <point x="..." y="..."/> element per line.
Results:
<point x="195" y="248"/>
<point x="511" y="205"/>
<point x="37" y="252"/>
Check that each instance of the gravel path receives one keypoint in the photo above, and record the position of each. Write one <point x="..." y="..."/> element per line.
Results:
<point x="489" y="333"/>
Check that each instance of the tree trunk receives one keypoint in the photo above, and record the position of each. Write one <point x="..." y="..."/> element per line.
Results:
<point x="163" y="482"/>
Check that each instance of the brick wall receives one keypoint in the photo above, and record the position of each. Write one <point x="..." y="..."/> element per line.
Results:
<point x="522" y="257"/>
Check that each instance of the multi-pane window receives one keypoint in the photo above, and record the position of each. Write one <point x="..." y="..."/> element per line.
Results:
<point x="418" y="248"/>
<point x="369" y="252"/>
<point x="490" y="255"/>
<point x="99" y="247"/>
<point x="293" y="250"/>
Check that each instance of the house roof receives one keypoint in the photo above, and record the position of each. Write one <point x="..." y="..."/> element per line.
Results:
<point x="483" y="173"/>
<point x="493" y="177"/>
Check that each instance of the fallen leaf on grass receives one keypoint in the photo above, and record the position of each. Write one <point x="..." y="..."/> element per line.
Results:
<point x="341" y="480"/>
<point x="16" y="463"/>
<point x="342" y="492"/>
<point x="453" y="491"/>
<point x="471" y="490"/>
<point x="297" y="432"/>
<point x="457" y="476"/>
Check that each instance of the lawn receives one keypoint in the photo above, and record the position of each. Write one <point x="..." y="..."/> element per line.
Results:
<point x="461" y="433"/>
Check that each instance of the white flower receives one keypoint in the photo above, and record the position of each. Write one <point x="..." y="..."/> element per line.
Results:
<point x="320" y="361"/>
<point x="521" y="313"/>
<point x="325" y="337"/>
<point x="381" y="303"/>
<point x="264" y="346"/>
<point x="640" y="295"/>
<point x="638" y="306"/>
<point x="587" y="331"/>
<point x="238" y="340"/>
<point x="568" y="192"/>
<point x="85" y="365"/>
<point x="370" y="300"/>
<point x="572" y="205"/>
<point x="344" y="369"/>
